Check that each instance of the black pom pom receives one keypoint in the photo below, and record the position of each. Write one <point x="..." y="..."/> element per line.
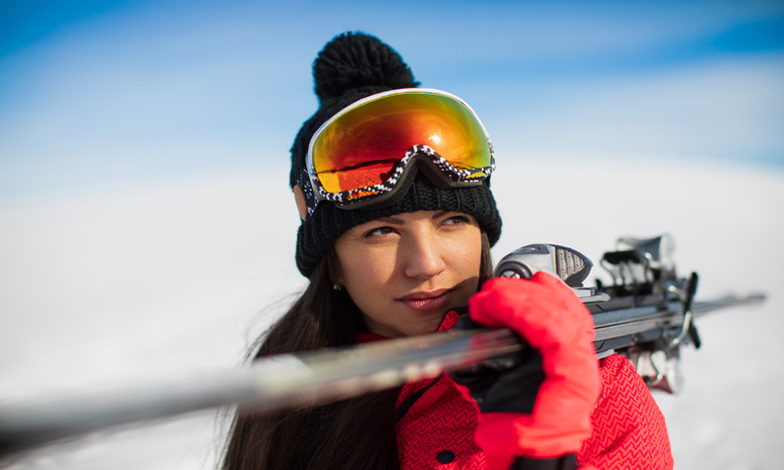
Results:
<point x="358" y="60"/>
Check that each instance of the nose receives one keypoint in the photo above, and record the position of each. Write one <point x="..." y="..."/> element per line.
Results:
<point x="423" y="254"/>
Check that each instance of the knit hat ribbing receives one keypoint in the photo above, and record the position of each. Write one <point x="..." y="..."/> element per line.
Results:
<point x="351" y="67"/>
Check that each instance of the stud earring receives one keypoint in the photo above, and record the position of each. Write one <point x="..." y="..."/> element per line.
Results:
<point x="337" y="286"/>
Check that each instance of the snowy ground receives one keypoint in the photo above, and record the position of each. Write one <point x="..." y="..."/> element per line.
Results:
<point x="153" y="282"/>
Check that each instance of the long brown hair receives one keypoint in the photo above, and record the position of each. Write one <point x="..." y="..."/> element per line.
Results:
<point x="357" y="433"/>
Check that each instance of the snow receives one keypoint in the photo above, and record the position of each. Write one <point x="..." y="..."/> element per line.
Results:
<point x="144" y="283"/>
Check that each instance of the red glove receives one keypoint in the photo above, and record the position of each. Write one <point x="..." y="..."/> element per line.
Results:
<point x="552" y="320"/>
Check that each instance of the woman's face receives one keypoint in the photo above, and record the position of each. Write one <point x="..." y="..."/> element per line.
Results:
<point x="406" y="271"/>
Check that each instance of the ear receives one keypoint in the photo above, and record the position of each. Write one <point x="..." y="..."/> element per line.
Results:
<point x="302" y="205"/>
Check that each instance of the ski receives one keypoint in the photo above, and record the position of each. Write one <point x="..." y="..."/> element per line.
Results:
<point x="647" y="315"/>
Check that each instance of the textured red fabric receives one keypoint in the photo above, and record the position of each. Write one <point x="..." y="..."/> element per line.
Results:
<point x="628" y="428"/>
<point x="436" y="424"/>
<point x="553" y="320"/>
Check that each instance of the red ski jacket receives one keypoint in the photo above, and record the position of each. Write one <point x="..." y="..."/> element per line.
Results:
<point x="435" y="424"/>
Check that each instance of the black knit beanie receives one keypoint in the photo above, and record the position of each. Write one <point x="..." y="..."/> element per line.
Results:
<point x="350" y="67"/>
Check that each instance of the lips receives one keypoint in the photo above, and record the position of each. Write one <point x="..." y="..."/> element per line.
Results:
<point x="427" y="301"/>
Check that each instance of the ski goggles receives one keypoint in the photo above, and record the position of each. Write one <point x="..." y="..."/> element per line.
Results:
<point x="362" y="155"/>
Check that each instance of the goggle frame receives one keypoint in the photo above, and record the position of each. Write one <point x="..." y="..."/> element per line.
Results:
<point x="438" y="168"/>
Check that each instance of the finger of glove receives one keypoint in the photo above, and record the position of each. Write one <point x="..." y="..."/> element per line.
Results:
<point x="543" y="309"/>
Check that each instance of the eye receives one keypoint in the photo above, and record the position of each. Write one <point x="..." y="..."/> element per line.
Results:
<point x="457" y="220"/>
<point x="378" y="231"/>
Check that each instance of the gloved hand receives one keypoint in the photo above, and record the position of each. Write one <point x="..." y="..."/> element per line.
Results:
<point x="536" y="405"/>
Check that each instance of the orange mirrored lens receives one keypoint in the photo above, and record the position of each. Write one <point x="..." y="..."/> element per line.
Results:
<point x="359" y="148"/>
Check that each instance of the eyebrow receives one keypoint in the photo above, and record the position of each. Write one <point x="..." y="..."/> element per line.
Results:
<point x="397" y="221"/>
<point x="391" y="220"/>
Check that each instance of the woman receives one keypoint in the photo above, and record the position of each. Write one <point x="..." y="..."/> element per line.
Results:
<point x="392" y="186"/>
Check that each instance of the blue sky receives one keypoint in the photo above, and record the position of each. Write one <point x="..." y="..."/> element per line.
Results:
<point x="100" y="94"/>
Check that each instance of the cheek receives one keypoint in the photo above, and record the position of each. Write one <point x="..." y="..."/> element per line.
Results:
<point x="364" y="271"/>
<point x="466" y="260"/>
<point x="467" y="254"/>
